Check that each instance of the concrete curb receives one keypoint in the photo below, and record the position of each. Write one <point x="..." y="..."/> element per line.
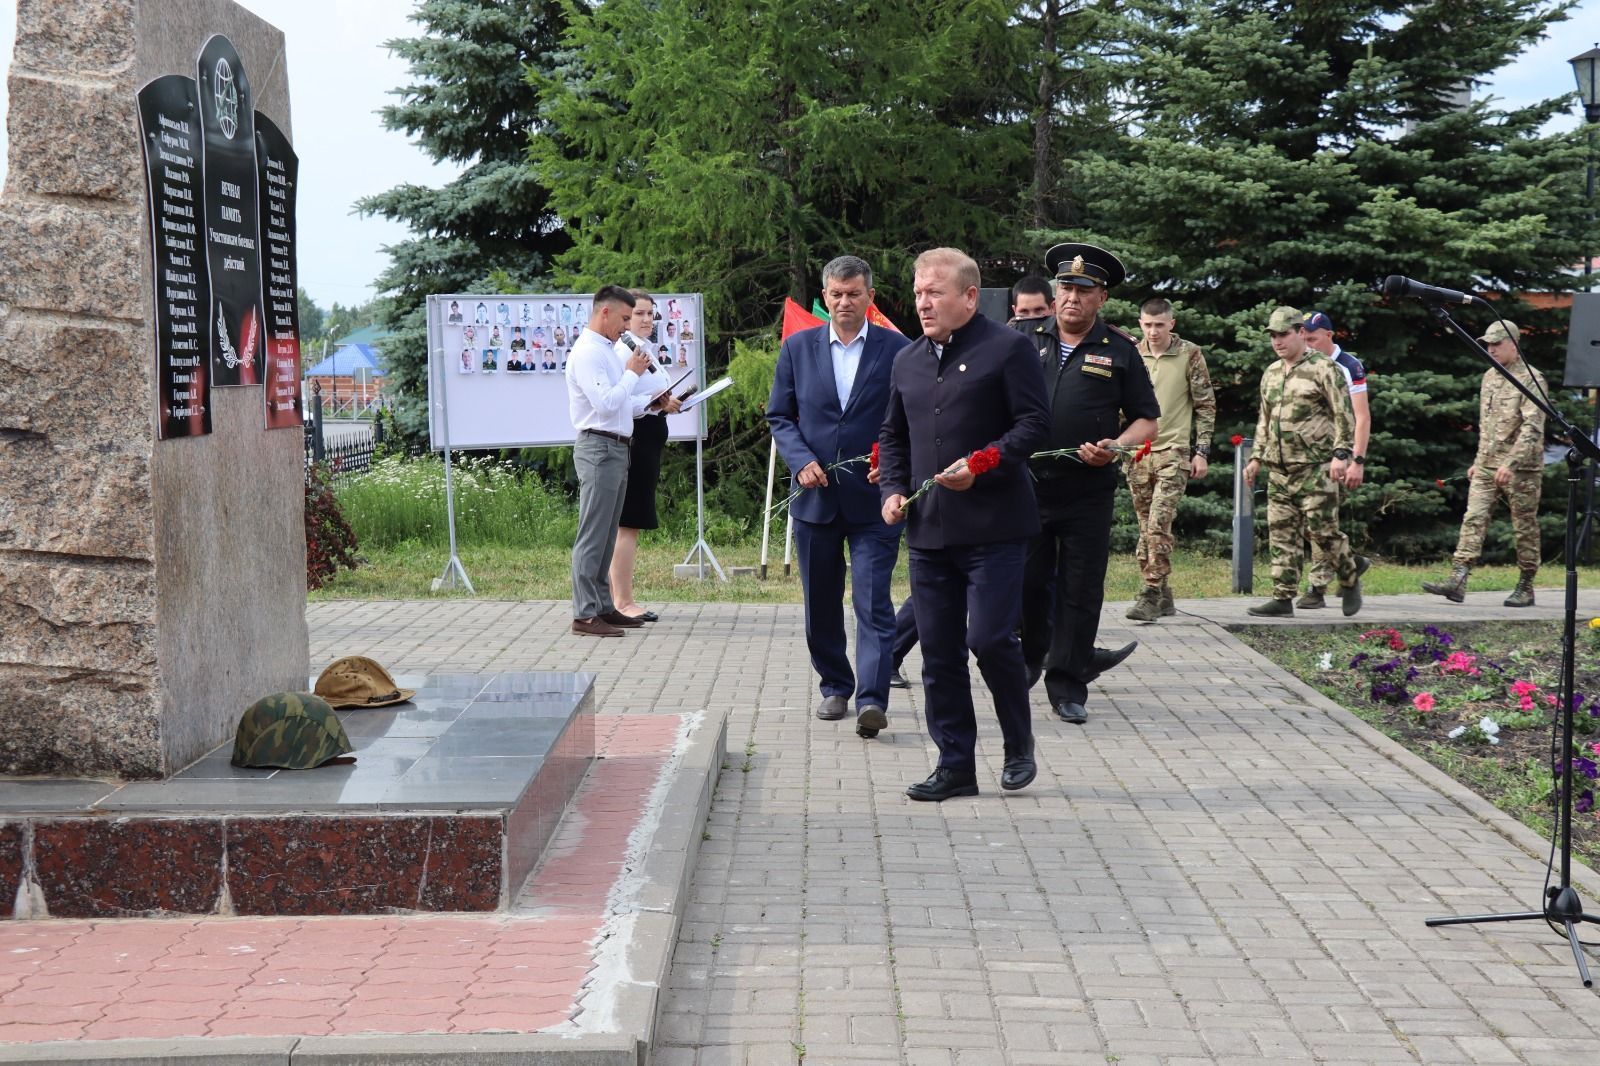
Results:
<point x="1538" y="847"/>
<point x="656" y="911"/>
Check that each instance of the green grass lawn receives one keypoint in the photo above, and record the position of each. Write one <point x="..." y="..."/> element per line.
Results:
<point x="542" y="572"/>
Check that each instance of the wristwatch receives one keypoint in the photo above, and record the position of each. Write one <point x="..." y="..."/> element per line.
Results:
<point x="1342" y="454"/>
<point x="1359" y="460"/>
<point x="1202" y="450"/>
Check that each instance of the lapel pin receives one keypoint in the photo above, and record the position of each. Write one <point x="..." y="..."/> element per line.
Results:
<point x="962" y="368"/>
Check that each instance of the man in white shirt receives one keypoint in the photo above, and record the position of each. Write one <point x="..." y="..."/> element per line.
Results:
<point x="603" y="401"/>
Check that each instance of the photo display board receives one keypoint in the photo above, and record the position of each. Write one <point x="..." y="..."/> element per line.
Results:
<point x="497" y="373"/>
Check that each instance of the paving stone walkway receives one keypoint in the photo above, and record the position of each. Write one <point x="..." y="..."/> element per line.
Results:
<point x="1218" y="868"/>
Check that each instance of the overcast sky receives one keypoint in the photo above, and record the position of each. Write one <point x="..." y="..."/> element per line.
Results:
<point x="340" y="75"/>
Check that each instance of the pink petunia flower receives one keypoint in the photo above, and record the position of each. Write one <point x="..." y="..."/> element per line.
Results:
<point x="1423" y="701"/>
<point x="1524" y="688"/>
<point x="1526" y="703"/>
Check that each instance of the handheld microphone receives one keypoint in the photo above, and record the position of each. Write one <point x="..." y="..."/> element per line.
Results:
<point x="1395" y="285"/>
<point x="633" y="346"/>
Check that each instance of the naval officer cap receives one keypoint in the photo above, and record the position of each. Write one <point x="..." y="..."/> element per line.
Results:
<point x="1084" y="264"/>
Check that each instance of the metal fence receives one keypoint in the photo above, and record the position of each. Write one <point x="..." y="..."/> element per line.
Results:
<point x="351" y="452"/>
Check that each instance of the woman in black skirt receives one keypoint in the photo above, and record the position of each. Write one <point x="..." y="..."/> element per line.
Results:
<point x="644" y="470"/>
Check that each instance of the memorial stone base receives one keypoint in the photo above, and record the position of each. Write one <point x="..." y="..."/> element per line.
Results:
<point x="448" y="807"/>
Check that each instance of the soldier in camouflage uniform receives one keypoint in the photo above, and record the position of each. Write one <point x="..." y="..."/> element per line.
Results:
<point x="1509" y="463"/>
<point x="1177" y="369"/>
<point x="1305" y="421"/>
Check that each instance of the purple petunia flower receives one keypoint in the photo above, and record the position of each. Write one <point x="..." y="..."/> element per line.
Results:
<point x="1586" y="767"/>
<point x="1585" y="802"/>
<point x="1411" y="673"/>
<point x="1388" y="667"/>
<point x="1363" y="657"/>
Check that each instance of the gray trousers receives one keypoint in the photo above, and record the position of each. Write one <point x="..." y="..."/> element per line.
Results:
<point x="602" y="479"/>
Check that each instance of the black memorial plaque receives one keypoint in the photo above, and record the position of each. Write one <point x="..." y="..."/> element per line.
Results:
<point x="169" y="128"/>
<point x="228" y="162"/>
<point x="277" y="174"/>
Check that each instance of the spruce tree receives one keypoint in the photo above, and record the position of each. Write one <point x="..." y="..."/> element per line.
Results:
<point x="471" y="103"/>
<point x="1293" y="153"/>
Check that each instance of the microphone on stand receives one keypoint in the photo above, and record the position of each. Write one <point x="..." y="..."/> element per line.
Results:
<point x="1395" y="285"/>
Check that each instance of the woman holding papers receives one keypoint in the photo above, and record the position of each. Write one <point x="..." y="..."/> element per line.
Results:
<point x="644" y="468"/>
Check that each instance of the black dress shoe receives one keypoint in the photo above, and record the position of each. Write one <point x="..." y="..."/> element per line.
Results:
<point x="1067" y="711"/>
<point x="869" y="720"/>
<point x="1019" y="771"/>
<point x="648" y="616"/>
<point x="833" y="708"/>
<point x="620" y="620"/>
<point x="1104" y="659"/>
<point x="897" y="679"/>
<point x="944" y="784"/>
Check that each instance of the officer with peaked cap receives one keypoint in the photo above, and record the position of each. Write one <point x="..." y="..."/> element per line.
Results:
<point x="1102" y="403"/>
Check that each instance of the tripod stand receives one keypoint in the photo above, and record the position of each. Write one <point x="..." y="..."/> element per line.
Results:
<point x="1562" y="905"/>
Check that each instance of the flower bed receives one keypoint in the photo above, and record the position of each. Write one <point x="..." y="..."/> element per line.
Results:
<point x="1478" y="701"/>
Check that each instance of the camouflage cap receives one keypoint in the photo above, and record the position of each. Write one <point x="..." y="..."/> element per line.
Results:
<point x="1284" y="320"/>
<point x="357" y="681"/>
<point x="1501" y="330"/>
<point x="290" y="731"/>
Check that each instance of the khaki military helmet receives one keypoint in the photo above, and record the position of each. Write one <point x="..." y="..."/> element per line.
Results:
<point x="357" y="681"/>
<point x="289" y="731"/>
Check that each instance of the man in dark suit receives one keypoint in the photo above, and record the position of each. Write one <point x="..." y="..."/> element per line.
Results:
<point x="969" y="384"/>
<point x="827" y="403"/>
<point x="1102" y="403"/>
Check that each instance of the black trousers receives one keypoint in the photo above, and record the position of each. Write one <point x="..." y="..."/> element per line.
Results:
<point x="905" y="632"/>
<point x="1065" y="586"/>
<point x="967" y="598"/>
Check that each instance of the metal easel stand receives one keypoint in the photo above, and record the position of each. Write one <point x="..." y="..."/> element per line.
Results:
<point x="700" y="554"/>
<point x="454" y="573"/>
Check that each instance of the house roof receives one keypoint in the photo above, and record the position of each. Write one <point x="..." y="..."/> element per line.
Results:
<point x="344" y="360"/>
<point x="367" y="335"/>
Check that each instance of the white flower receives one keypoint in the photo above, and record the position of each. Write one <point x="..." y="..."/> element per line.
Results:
<point x="1326" y="662"/>
<point x="1489" y="726"/>
<point x="1456" y="732"/>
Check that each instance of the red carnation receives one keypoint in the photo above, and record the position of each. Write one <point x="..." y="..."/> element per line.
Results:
<point x="1144" y="450"/>
<point x="1237" y="439"/>
<point x="983" y="460"/>
<point x="872" y="464"/>
<point x="1439" y="481"/>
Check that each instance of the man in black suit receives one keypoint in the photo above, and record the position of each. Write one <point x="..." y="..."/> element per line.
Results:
<point x="1102" y="403"/>
<point x="969" y="384"/>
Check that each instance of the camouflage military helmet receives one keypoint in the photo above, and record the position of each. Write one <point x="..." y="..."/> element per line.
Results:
<point x="290" y="731"/>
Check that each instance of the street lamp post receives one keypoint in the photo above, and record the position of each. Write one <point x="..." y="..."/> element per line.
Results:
<point x="1586" y="69"/>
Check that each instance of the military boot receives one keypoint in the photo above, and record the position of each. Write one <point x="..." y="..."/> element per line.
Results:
<point x="1168" y="608"/>
<point x="1147" y="607"/>
<point x="1454" y="588"/>
<point x="1522" y="595"/>
<point x="1273" y="608"/>
<point x="1312" y="599"/>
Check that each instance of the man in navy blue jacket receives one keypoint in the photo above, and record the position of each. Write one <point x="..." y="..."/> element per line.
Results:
<point x="969" y="384"/>
<point x="827" y="403"/>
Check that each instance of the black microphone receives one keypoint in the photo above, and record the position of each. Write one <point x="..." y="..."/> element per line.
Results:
<point x="1395" y="285"/>
<point x="633" y="346"/>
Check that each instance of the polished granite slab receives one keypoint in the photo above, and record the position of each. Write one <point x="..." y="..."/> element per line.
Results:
<point x="448" y="806"/>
